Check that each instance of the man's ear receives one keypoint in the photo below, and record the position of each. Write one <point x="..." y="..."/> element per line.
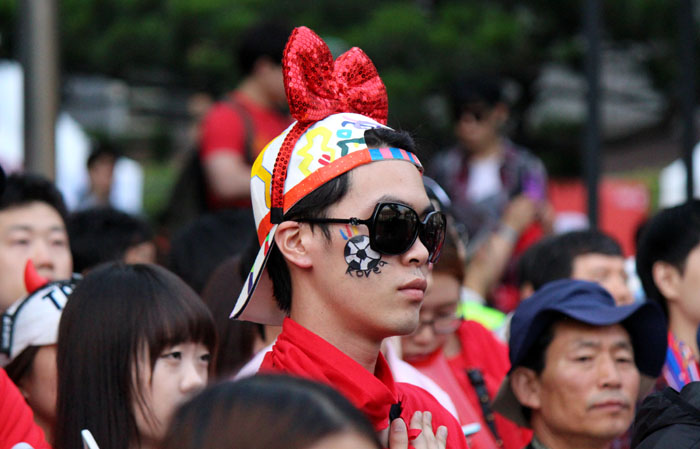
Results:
<point x="526" y="387"/>
<point x="291" y="239"/>
<point x="667" y="279"/>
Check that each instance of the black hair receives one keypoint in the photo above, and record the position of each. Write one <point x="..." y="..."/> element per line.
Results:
<point x="668" y="237"/>
<point x="315" y="205"/>
<point x="553" y="258"/>
<point x="21" y="189"/>
<point x="265" y="412"/>
<point x="528" y="267"/>
<point x="537" y="354"/>
<point x="104" y="234"/>
<point x="451" y="260"/>
<point x="22" y="364"/>
<point x="263" y="40"/>
<point x="102" y="150"/>
<point x="3" y="179"/>
<point x="202" y="245"/>
<point x="113" y="314"/>
<point x="476" y="89"/>
<point x="236" y="338"/>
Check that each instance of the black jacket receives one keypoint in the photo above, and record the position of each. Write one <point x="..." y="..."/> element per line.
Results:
<point x="669" y="420"/>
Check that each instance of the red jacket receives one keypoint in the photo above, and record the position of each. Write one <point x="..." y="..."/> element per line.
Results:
<point x="16" y="418"/>
<point x="299" y="351"/>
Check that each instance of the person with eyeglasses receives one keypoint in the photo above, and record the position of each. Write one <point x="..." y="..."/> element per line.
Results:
<point x="498" y="189"/>
<point x="463" y="357"/>
<point x="347" y="236"/>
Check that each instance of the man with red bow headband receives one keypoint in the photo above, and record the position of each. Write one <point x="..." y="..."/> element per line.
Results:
<point x="347" y="236"/>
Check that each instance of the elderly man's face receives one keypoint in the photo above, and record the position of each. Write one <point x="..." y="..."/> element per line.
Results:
<point x="589" y="384"/>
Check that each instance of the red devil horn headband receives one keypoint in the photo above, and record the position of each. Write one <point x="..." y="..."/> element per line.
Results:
<point x="32" y="279"/>
<point x="317" y="87"/>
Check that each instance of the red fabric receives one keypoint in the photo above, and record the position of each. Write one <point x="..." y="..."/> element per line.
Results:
<point x="16" y="419"/>
<point x="316" y="87"/>
<point x="437" y="368"/>
<point x="300" y="352"/>
<point x="223" y="130"/>
<point x="480" y="349"/>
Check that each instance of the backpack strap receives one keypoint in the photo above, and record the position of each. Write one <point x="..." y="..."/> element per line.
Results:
<point x="247" y="125"/>
<point x="476" y="378"/>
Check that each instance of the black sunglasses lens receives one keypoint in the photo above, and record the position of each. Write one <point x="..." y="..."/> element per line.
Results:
<point x="394" y="228"/>
<point x="433" y="234"/>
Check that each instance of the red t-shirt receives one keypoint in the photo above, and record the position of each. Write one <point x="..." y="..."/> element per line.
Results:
<point x="299" y="351"/>
<point x="481" y="350"/>
<point x="16" y="419"/>
<point x="224" y="130"/>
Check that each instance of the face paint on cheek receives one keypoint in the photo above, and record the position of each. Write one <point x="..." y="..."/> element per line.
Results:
<point x="361" y="259"/>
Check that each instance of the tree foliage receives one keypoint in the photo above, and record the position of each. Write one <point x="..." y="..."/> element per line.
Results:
<point x="418" y="46"/>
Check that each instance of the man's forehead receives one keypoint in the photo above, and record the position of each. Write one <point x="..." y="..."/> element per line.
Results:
<point x="25" y="216"/>
<point x="574" y="333"/>
<point x="373" y="184"/>
<point x="598" y="259"/>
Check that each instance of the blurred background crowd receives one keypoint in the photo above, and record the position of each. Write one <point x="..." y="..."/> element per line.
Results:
<point x="550" y="134"/>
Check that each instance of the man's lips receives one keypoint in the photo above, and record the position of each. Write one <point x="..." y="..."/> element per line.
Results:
<point x="611" y="404"/>
<point x="415" y="288"/>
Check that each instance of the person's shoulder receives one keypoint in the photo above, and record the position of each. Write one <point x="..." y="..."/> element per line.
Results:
<point x="444" y="162"/>
<point x="522" y="153"/>
<point x="221" y="110"/>
<point x="476" y="329"/>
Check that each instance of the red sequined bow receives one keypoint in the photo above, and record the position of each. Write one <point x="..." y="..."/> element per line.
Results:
<point x="317" y="87"/>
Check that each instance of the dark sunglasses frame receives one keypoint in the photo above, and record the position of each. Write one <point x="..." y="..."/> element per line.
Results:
<point x="371" y="223"/>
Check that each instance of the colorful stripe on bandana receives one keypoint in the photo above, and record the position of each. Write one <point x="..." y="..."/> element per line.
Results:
<point x="681" y="367"/>
<point x="378" y="154"/>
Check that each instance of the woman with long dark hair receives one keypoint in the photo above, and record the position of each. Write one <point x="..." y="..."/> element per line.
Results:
<point x="134" y="342"/>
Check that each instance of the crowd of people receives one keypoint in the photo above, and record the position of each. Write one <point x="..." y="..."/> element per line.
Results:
<point x="334" y="292"/>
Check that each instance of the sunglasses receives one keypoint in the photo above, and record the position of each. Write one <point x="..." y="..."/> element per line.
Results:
<point x="393" y="228"/>
<point x="441" y="325"/>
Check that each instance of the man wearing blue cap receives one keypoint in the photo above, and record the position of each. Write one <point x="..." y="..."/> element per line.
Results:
<point x="578" y="364"/>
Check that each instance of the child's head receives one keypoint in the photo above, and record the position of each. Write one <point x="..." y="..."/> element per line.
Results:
<point x="270" y="411"/>
<point x="28" y="336"/>
<point x="103" y="234"/>
<point x="668" y="259"/>
<point x="134" y="342"/>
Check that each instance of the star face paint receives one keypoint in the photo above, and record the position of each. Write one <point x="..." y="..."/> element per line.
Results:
<point x="361" y="259"/>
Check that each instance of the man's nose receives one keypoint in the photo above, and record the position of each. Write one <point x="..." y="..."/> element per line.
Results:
<point x="609" y="372"/>
<point x="41" y="255"/>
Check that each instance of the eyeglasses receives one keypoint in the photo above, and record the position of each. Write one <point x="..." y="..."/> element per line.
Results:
<point x="393" y="228"/>
<point x="442" y="325"/>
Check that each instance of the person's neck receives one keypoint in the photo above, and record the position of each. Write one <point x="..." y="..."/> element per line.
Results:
<point x="553" y="440"/>
<point x="334" y="330"/>
<point x="683" y="328"/>
<point x="144" y="443"/>
<point x="46" y="426"/>
<point x="254" y="91"/>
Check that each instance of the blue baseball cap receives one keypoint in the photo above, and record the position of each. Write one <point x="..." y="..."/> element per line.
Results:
<point x="589" y="303"/>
